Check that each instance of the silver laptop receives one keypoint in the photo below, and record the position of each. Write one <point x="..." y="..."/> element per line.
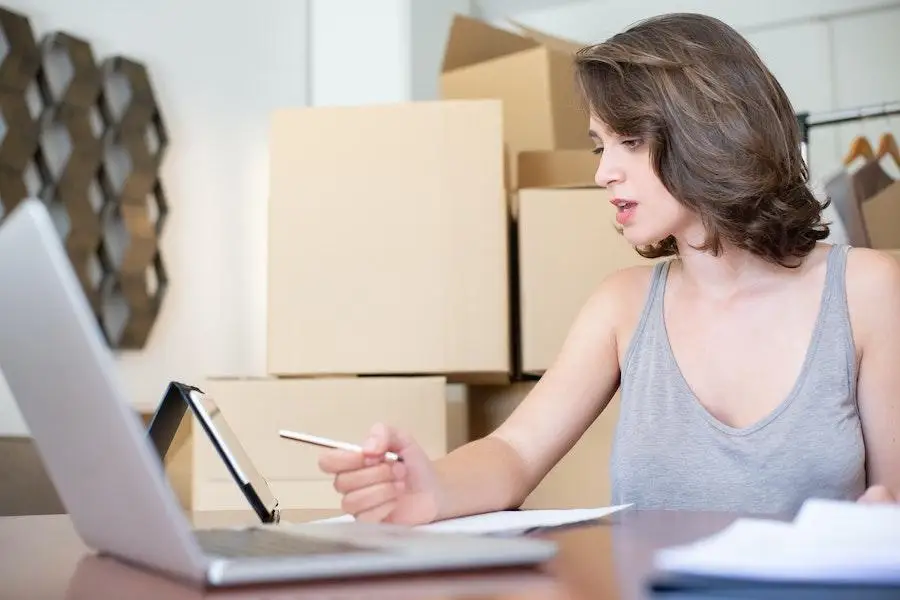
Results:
<point x="107" y="470"/>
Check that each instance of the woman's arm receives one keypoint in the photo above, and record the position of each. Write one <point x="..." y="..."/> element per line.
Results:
<point x="500" y="470"/>
<point x="873" y="291"/>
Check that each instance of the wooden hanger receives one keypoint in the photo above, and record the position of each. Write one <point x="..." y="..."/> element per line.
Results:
<point x="887" y="145"/>
<point x="859" y="147"/>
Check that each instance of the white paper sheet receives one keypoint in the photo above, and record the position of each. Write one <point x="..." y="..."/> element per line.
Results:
<point x="511" y="522"/>
<point x="828" y="541"/>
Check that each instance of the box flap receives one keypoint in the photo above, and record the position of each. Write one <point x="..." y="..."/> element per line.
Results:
<point x="552" y="42"/>
<point x="473" y="41"/>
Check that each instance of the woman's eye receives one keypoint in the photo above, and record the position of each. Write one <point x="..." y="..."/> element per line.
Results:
<point x="632" y="143"/>
<point x="597" y="151"/>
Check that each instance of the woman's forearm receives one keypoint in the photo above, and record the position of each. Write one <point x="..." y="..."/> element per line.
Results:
<point x="482" y="476"/>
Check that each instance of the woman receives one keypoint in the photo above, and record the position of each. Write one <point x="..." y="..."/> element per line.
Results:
<point x="757" y="367"/>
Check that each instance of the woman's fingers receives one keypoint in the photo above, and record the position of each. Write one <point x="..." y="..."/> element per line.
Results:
<point x="364" y="499"/>
<point x="349" y="481"/>
<point x="377" y="514"/>
<point x="341" y="461"/>
<point x="876" y="494"/>
<point x="381" y="439"/>
<point x="384" y="438"/>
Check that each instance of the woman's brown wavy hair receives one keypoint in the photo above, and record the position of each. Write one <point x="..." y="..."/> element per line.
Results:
<point x="723" y="137"/>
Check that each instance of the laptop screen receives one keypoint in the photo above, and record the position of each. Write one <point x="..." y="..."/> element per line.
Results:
<point x="164" y="426"/>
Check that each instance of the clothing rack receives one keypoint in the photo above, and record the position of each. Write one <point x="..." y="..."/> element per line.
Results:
<point x="808" y="121"/>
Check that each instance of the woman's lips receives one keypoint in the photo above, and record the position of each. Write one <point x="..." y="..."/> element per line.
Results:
<point x="625" y="209"/>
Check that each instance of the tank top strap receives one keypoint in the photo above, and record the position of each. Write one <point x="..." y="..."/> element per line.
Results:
<point x="836" y="276"/>
<point x="836" y="312"/>
<point x="651" y="314"/>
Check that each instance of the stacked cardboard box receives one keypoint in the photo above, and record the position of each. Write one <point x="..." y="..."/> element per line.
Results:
<point x="568" y="243"/>
<point x="389" y="242"/>
<point x="398" y="236"/>
<point x="563" y="243"/>
<point x="530" y="73"/>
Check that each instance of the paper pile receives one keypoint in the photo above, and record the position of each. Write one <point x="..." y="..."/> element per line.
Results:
<point x="828" y="542"/>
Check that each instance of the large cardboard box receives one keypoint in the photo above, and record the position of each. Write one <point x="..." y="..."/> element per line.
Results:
<point x="530" y="72"/>
<point x="339" y="408"/>
<point x="581" y="478"/>
<point x="567" y="244"/>
<point x="388" y="241"/>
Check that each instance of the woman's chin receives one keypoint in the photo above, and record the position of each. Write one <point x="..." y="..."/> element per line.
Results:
<point x="640" y="239"/>
<point x="635" y="237"/>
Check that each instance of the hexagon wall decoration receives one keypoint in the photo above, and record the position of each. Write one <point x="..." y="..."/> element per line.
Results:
<point x="19" y="57"/>
<point x="87" y="137"/>
<point x="19" y="108"/>
<point x="135" y="142"/>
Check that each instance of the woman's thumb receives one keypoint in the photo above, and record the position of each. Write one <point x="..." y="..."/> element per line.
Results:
<point x="384" y="438"/>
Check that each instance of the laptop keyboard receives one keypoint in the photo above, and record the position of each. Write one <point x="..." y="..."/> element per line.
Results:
<point x="242" y="543"/>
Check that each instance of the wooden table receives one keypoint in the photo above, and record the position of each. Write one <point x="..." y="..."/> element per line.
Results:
<point x="41" y="557"/>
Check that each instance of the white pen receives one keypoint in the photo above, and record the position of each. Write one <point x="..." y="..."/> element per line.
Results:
<point x="326" y="443"/>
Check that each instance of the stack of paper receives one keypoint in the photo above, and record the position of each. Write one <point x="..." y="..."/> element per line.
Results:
<point x="511" y="522"/>
<point x="828" y="541"/>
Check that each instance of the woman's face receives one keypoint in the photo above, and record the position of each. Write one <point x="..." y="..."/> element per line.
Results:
<point x="645" y="209"/>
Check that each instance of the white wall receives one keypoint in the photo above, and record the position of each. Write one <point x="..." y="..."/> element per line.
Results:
<point x="218" y="68"/>
<point x="361" y="52"/>
<point x="596" y="20"/>
<point x="430" y="27"/>
<point x="862" y="51"/>
<point x="389" y="51"/>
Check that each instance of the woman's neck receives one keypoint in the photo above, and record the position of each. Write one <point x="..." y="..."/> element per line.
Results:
<point x="733" y="272"/>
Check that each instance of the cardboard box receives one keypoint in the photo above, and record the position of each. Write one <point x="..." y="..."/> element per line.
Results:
<point x="581" y="478"/>
<point x="339" y="408"/>
<point x="567" y="244"/>
<point x="530" y="72"/>
<point x="388" y="248"/>
<point x="557" y="168"/>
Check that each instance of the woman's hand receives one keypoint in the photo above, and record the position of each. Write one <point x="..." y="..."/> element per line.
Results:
<point x="878" y="494"/>
<point x="377" y="489"/>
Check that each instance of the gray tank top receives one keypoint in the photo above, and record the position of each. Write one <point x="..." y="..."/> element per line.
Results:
<point x="670" y="452"/>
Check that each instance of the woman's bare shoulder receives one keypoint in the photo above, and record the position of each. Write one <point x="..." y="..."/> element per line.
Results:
<point x="620" y="296"/>
<point x="871" y="267"/>
<point x="873" y="286"/>
<point x="635" y="279"/>
<point x="873" y="296"/>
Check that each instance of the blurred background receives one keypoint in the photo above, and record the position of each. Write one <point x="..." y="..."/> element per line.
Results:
<point x="221" y="70"/>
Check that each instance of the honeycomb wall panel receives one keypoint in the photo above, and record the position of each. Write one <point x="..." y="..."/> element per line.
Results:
<point x="86" y="136"/>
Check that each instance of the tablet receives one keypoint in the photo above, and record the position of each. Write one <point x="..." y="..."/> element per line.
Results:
<point x="180" y="398"/>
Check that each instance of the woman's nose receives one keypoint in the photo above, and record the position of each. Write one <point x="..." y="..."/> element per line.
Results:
<point x="607" y="173"/>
